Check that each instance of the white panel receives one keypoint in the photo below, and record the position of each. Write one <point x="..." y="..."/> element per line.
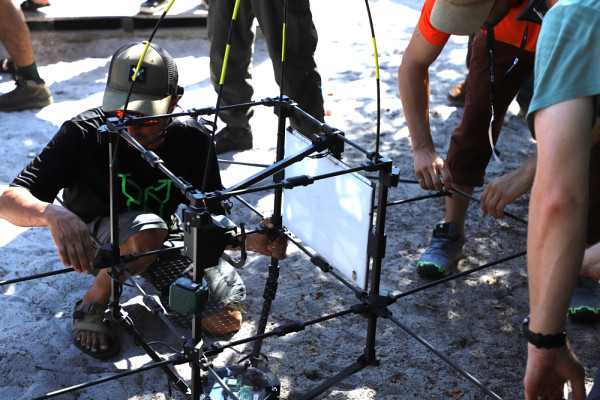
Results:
<point x="332" y="215"/>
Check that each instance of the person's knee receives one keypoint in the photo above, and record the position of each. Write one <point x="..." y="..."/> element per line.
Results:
<point x="142" y="242"/>
<point x="146" y="240"/>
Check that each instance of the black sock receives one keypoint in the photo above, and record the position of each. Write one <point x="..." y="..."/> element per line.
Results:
<point x="29" y="72"/>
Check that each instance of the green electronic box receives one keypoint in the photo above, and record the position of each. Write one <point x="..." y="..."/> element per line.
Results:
<point x="187" y="297"/>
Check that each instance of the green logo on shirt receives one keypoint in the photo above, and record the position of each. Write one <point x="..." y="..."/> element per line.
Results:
<point x="151" y="199"/>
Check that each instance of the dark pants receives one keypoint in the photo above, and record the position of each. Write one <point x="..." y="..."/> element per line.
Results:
<point x="470" y="150"/>
<point x="525" y="93"/>
<point x="301" y="83"/>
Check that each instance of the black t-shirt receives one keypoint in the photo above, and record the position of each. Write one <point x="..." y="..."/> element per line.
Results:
<point x="76" y="161"/>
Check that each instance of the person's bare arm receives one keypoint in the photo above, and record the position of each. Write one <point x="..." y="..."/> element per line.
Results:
<point x="19" y="207"/>
<point x="69" y="233"/>
<point x="555" y="241"/>
<point x="413" y="84"/>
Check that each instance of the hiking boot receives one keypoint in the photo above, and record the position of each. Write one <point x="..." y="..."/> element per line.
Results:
<point x="585" y="303"/>
<point x="458" y="93"/>
<point x="29" y="6"/>
<point x="446" y="248"/>
<point x="229" y="139"/>
<point x="27" y="94"/>
<point x="152" y="6"/>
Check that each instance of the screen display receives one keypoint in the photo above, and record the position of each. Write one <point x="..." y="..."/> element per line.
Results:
<point x="333" y="216"/>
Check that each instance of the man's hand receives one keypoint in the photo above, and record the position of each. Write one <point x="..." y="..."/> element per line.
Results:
<point x="504" y="190"/>
<point x="549" y="369"/>
<point x="70" y="234"/>
<point x="500" y="192"/>
<point x="262" y="244"/>
<point x="71" y="237"/>
<point x="591" y="262"/>
<point x="431" y="170"/>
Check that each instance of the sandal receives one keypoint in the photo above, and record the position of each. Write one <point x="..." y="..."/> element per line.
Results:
<point x="7" y="66"/>
<point x="91" y="319"/>
<point x="29" y="5"/>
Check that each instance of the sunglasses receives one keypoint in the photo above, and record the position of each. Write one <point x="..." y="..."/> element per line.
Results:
<point x="150" y="122"/>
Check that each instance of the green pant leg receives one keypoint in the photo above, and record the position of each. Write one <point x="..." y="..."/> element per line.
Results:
<point x="302" y="81"/>
<point x="237" y="87"/>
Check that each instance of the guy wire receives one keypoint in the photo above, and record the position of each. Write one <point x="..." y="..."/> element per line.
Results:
<point x="376" y="78"/>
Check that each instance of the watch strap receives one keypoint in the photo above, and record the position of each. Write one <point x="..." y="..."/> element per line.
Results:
<point x="544" y="341"/>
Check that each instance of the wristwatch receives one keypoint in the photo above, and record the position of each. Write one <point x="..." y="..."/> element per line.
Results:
<point x="545" y="341"/>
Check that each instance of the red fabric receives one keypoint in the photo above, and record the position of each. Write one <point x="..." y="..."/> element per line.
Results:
<point x="431" y="34"/>
<point x="508" y="30"/>
<point x="511" y="31"/>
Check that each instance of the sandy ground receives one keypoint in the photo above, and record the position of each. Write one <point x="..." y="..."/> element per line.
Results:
<point x="474" y="320"/>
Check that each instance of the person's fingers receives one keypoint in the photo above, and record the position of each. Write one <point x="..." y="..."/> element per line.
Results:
<point x="578" y="389"/>
<point x="492" y="205"/>
<point x="500" y="206"/>
<point x="427" y="182"/>
<point x="578" y="382"/>
<point x="72" y="240"/>
<point x="80" y="254"/>
<point x="423" y="175"/>
<point x="88" y="252"/>
<point x="421" y="181"/>
<point x="447" y="177"/>
<point x="431" y="180"/>
<point x="438" y="185"/>
<point x="437" y="177"/>
<point x="63" y="254"/>
<point x="483" y="199"/>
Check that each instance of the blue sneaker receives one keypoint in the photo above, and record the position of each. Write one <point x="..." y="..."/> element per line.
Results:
<point x="446" y="248"/>
<point x="585" y="303"/>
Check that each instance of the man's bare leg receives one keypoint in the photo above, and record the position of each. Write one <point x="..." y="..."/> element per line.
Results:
<point x="457" y="206"/>
<point x="141" y="242"/>
<point x="14" y="34"/>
